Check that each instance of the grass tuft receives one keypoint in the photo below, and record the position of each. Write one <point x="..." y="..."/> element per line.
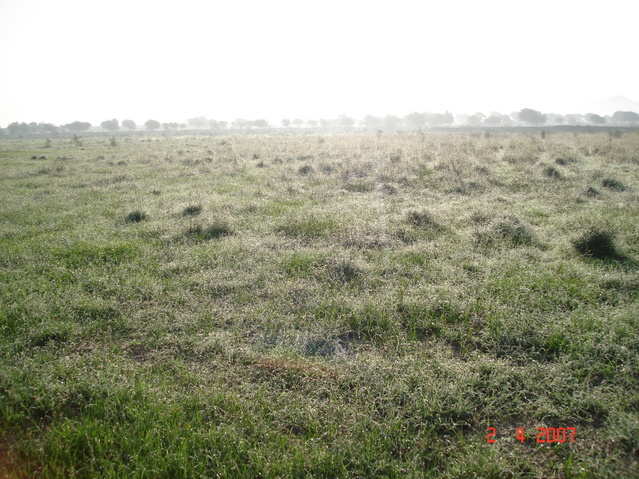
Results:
<point x="613" y="184"/>
<point x="192" y="210"/>
<point x="422" y="219"/>
<point x="217" y="229"/>
<point x="552" y="172"/>
<point x="597" y="243"/>
<point x="136" y="217"/>
<point x="305" y="170"/>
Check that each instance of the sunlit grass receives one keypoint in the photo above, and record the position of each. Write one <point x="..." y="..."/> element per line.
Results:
<point x="333" y="306"/>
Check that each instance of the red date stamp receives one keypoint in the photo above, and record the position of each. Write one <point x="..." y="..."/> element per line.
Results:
<point x="544" y="434"/>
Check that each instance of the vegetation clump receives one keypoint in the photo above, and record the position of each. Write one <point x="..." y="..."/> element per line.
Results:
<point x="136" y="216"/>
<point x="613" y="184"/>
<point x="513" y="231"/>
<point x="217" y="229"/>
<point x="192" y="210"/>
<point x="305" y="170"/>
<point x="422" y="219"/>
<point x="596" y="243"/>
<point x="344" y="271"/>
<point x="592" y="192"/>
<point x="552" y="172"/>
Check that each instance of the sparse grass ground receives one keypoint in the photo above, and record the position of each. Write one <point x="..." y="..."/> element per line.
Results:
<point x="319" y="306"/>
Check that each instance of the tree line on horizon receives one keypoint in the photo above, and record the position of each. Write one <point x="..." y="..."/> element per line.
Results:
<point x="415" y="120"/>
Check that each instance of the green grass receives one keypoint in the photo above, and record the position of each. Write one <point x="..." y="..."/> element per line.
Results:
<point x="319" y="306"/>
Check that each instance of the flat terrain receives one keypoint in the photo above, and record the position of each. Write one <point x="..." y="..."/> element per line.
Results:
<point x="353" y="305"/>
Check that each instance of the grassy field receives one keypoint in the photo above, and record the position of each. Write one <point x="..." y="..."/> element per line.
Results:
<point x="357" y="305"/>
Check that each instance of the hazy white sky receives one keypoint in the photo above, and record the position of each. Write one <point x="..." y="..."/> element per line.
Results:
<point x="85" y="60"/>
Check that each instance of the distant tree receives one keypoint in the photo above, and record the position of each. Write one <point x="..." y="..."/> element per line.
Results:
<point x="494" y="119"/>
<point x="324" y="123"/>
<point x="241" y="123"/>
<point x="223" y="124"/>
<point x="346" y="121"/>
<point x="198" y="122"/>
<point x="77" y="126"/>
<point x="152" y="125"/>
<point x="260" y="123"/>
<point x="574" y="119"/>
<point x="129" y="125"/>
<point x="554" y="119"/>
<point x="297" y="122"/>
<point x="214" y="124"/>
<point x="438" y="119"/>
<point x="18" y="129"/>
<point x="391" y="122"/>
<point x="476" y="120"/>
<point x="111" y="125"/>
<point x="533" y="117"/>
<point x="48" y="128"/>
<point x="286" y="122"/>
<point x="595" y="119"/>
<point x="416" y="120"/>
<point x="625" y="117"/>
<point x="372" y="122"/>
<point x="312" y="123"/>
<point x="173" y="126"/>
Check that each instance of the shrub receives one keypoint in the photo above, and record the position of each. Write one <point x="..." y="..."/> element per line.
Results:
<point x="135" y="217"/>
<point x="597" y="243"/>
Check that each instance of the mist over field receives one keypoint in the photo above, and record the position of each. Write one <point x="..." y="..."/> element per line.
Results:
<point x="283" y="59"/>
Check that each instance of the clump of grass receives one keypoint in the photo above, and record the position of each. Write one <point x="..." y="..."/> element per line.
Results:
<point x="596" y="243"/>
<point x="359" y="187"/>
<point x="514" y="232"/>
<point x="591" y="192"/>
<point x="613" y="184"/>
<point x="305" y="170"/>
<point x="561" y="161"/>
<point x="136" y="217"/>
<point x="217" y="229"/>
<point x="422" y="219"/>
<point x="192" y="210"/>
<point x="344" y="271"/>
<point x="509" y="231"/>
<point x="310" y="227"/>
<point x="552" y="172"/>
<point x="479" y="218"/>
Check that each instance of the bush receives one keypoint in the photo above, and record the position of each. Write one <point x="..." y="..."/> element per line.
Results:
<point x="597" y="243"/>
